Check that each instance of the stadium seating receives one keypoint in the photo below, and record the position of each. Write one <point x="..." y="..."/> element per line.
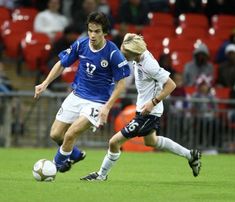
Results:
<point x="158" y="32"/>
<point x="158" y="19"/>
<point x="193" y="20"/>
<point x="26" y="14"/>
<point x="12" y="32"/>
<point x="222" y="34"/>
<point x="114" y="6"/>
<point x="69" y="73"/>
<point x="223" y="21"/>
<point x="33" y="45"/>
<point x="191" y="33"/>
<point x="178" y="44"/>
<point x="5" y="15"/>
<point x="179" y="59"/>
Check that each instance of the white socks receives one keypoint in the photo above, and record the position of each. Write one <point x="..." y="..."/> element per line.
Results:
<point x="108" y="162"/>
<point x="169" y="145"/>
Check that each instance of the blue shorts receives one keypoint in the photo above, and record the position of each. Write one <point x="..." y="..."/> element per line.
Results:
<point x="141" y="125"/>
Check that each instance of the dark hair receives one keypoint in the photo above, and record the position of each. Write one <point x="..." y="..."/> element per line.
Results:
<point x="99" y="18"/>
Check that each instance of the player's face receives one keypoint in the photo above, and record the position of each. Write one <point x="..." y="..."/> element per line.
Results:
<point x="96" y="35"/>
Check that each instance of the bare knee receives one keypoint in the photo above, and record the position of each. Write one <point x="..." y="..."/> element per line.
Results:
<point x="57" y="131"/>
<point x="150" y="141"/>
<point x="56" y="136"/>
<point x="114" y="146"/>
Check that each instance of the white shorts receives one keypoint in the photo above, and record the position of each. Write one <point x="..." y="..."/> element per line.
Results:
<point x="74" y="106"/>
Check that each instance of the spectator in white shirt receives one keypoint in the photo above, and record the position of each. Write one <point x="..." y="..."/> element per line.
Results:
<point x="50" y="21"/>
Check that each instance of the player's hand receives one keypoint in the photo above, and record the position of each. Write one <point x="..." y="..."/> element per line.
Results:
<point x="103" y="115"/>
<point x="147" y="108"/>
<point x="39" y="89"/>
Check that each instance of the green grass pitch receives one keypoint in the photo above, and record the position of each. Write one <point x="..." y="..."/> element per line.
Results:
<point x="143" y="177"/>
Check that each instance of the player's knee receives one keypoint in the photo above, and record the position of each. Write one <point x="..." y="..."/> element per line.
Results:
<point x="55" y="135"/>
<point x="149" y="144"/>
<point x="113" y="145"/>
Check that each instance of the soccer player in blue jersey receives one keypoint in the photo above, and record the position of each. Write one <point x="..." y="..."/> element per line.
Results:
<point x="99" y="81"/>
<point x="153" y="85"/>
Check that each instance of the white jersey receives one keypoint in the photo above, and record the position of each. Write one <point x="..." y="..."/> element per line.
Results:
<point x="149" y="81"/>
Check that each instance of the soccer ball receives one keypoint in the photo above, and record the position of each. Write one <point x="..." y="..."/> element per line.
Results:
<point x="44" y="170"/>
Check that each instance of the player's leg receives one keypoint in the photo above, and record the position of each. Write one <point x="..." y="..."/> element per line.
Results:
<point x="164" y="143"/>
<point x="109" y="160"/>
<point x="68" y="154"/>
<point x="58" y="130"/>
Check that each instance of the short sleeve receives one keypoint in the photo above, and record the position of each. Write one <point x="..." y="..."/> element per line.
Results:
<point x="70" y="55"/>
<point x="157" y="73"/>
<point x="119" y="64"/>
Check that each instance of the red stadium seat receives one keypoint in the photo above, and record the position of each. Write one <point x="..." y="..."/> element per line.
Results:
<point x="159" y="32"/>
<point x="193" y="20"/>
<point x="191" y="33"/>
<point x="33" y="45"/>
<point x="129" y="28"/>
<point x="26" y="14"/>
<point x="114" y="5"/>
<point x="190" y="90"/>
<point x="5" y="15"/>
<point x="179" y="59"/>
<point x="223" y="21"/>
<point x="222" y="34"/>
<point x="69" y="73"/>
<point x="222" y="93"/>
<point x="12" y="32"/>
<point x="161" y="19"/>
<point x="178" y="44"/>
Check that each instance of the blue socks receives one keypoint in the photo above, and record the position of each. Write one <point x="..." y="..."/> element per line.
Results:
<point x="61" y="156"/>
<point x="76" y="154"/>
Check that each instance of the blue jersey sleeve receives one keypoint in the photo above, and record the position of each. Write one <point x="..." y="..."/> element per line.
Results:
<point x="70" y="55"/>
<point x="119" y="65"/>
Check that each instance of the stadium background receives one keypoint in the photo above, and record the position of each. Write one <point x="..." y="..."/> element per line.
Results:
<point x="173" y="28"/>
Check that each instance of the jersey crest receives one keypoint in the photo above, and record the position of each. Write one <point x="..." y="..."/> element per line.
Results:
<point x="104" y="63"/>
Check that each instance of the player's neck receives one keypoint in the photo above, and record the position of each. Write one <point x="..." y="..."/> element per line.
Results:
<point x="99" y="45"/>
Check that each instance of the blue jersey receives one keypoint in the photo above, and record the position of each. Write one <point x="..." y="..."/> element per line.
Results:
<point x="97" y="70"/>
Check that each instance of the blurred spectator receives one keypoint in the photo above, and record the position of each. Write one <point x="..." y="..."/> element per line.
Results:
<point x="179" y="91"/>
<point x="231" y="112"/>
<point x="103" y="6"/>
<point x="121" y="32"/>
<point x="50" y="21"/>
<point x="159" y="6"/>
<point x="5" y="84"/>
<point x="220" y="57"/>
<point x="165" y="61"/>
<point x="198" y="66"/>
<point x="79" y="16"/>
<point x="219" y="7"/>
<point x="134" y="12"/>
<point x="226" y="72"/>
<point x="188" y="6"/>
<point x="8" y="3"/>
<point x="204" y="110"/>
<point x="70" y="34"/>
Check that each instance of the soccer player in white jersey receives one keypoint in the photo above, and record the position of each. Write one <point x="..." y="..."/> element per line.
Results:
<point x="99" y="81"/>
<point x="153" y="85"/>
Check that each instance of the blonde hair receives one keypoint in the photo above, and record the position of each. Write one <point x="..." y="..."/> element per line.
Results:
<point x="134" y="43"/>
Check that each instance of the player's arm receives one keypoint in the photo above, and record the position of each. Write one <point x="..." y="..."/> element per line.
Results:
<point x="54" y="73"/>
<point x="119" y="88"/>
<point x="168" y="87"/>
